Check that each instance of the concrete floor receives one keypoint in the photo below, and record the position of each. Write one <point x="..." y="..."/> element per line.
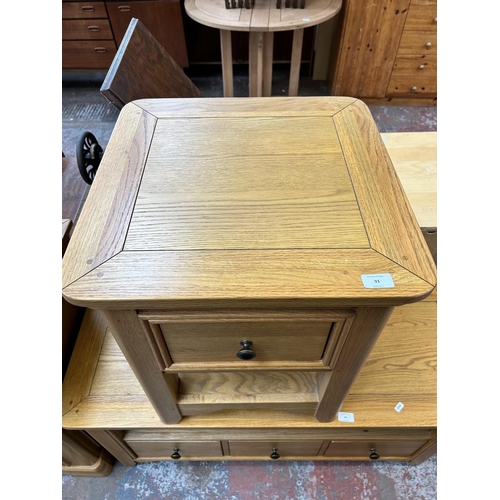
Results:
<point x="84" y="108"/>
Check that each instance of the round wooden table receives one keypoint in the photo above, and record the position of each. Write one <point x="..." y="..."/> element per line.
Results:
<point x="261" y="21"/>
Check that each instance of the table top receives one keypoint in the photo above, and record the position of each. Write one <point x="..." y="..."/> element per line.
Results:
<point x="263" y="16"/>
<point x="256" y="202"/>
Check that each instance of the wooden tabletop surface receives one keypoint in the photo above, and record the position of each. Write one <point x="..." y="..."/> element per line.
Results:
<point x="263" y="16"/>
<point x="246" y="202"/>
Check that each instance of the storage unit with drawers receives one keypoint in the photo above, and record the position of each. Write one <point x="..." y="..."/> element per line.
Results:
<point x="92" y="31"/>
<point x="387" y="52"/>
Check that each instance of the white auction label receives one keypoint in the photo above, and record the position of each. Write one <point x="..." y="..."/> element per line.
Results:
<point x="399" y="407"/>
<point x="377" y="280"/>
<point x="345" y="417"/>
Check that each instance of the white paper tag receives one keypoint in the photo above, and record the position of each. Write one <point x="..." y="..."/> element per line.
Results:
<point x="345" y="417"/>
<point x="377" y="280"/>
<point x="399" y="407"/>
<point x="306" y="19"/>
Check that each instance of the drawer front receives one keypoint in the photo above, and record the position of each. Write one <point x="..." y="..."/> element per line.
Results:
<point x="411" y="87"/>
<point x="363" y="449"/>
<point x="285" y="449"/>
<point x="82" y="29"/>
<point x="163" y="450"/>
<point x="421" y="18"/>
<point x="415" y="67"/>
<point x="221" y="342"/>
<point x="415" y="43"/>
<point x="82" y="54"/>
<point x="84" y="10"/>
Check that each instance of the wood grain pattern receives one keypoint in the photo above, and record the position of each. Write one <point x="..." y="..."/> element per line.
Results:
<point x="368" y="47"/>
<point x="236" y="279"/>
<point x="106" y="215"/>
<point x="389" y="220"/>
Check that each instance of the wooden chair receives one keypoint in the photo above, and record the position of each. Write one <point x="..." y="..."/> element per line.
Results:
<point x="142" y="69"/>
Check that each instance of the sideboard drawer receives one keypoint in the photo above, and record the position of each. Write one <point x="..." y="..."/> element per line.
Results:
<point x="363" y="449"/>
<point x="421" y="18"/>
<point x="84" y="10"/>
<point x="264" y="449"/>
<point x="151" y="448"/>
<point x="83" y="29"/>
<point x="83" y="54"/>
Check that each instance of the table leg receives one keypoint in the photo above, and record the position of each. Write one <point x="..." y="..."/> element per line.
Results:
<point x="267" y="72"/>
<point x="298" y="36"/>
<point x="227" y="63"/>
<point x="256" y="57"/>
<point x="334" y="386"/>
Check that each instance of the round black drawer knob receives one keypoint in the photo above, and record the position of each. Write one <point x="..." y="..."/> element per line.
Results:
<point x="373" y="454"/>
<point x="246" y="353"/>
<point x="175" y="455"/>
<point x="275" y="455"/>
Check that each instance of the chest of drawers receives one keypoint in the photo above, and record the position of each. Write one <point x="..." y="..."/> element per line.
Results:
<point x="92" y="31"/>
<point x="246" y="254"/>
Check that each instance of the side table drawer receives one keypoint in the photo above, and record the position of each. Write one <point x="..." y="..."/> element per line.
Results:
<point x="264" y="449"/>
<point x="82" y="29"/>
<point x="363" y="449"/>
<point x="84" y="10"/>
<point x="82" y="54"/>
<point x="248" y="342"/>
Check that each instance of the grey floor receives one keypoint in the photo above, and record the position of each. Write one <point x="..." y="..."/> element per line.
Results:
<point x="84" y="108"/>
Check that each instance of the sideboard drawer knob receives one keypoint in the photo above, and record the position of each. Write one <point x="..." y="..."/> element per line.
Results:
<point x="275" y="455"/>
<point x="436" y="20"/>
<point x="93" y="28"/>
<point x="428" y="45"/>
<point x="373" y="454"/>
<point x="175" y="455"/>
<point x="414" y="88"/>
<point x="421" y="66"/>
<point x="88" y="8"/>
<point x="246" y="353"/>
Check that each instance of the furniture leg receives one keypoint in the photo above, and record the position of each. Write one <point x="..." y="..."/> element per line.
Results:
<point x="113" y="442"/>
<point x="298" y="37"/>
<point x="227" y="63"/>
<point x="161" y="388"/>
<point x="334" y="386"/>
<point x="256" y="53"/>
<point x="267" y="71"/>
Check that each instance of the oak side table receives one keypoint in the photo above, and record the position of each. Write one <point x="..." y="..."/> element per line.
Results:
<point x="246" y="253"/>
<point x="261" y="21"/>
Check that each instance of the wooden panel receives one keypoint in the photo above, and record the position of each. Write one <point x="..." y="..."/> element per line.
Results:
<point x="97" y="54"/>
<point x="421" y="18"/>
<point x="380" y="207"/>
<point x="124" y="172"/>
<point x="263" y="449"/>
<point x="369" y="43"/>
<point x="385" y="449"/>
<point x="272" y="341"/>
<point x="80" y="29"/>
<point x="162" y="19"/>
<point x="83" y="10"/>
<point x="163" y="449"/>
<point x="253" y="199"/>
<point x="142" y="69"/>
<point x="418" y="43"/>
